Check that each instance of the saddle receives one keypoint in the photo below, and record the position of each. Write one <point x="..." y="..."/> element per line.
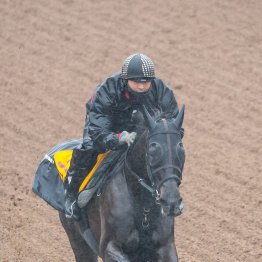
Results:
<point x="51" y="173"/>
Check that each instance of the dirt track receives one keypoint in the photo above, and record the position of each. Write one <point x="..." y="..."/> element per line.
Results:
<point x="52" y="55"/>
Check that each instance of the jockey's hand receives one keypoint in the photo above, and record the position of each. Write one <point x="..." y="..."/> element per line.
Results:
<point x="126" y="137"/>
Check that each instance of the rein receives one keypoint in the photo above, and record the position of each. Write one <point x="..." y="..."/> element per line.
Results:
<point x="140" y="180"/>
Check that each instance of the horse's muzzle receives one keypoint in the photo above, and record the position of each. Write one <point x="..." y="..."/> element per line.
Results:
<point x="179" y="209"/>
<point x="175" y="209"/>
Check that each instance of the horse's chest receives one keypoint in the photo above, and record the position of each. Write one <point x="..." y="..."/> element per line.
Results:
<point x="153" y="229"/>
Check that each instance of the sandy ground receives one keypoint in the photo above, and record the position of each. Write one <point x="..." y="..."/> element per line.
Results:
<point x="52" y="55"/>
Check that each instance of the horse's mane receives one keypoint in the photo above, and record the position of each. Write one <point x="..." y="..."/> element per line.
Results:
<point x="139" y="122"/>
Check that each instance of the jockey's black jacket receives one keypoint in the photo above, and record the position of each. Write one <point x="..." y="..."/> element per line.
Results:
<point x="110" y="109"/>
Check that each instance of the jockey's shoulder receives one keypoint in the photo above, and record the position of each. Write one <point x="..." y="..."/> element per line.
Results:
<point x="111" y="89"/>
<point x="160" y="87"/>
<point x="159" y="82"/>
<point x="112" y="84"/>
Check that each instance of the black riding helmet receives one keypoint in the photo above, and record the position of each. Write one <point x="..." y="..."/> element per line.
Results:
<point x="139" y="68"/>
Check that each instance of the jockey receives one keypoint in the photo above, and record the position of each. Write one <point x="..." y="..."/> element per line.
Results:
<point x="108" y="118"/>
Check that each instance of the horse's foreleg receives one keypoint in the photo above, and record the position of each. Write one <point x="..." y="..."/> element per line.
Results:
<point x="114" y="254"/>
<point x="167" y="253"/>
<point x="119" y="236"/>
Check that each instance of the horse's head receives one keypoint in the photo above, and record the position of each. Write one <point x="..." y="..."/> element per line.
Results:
<point x="165" y="160"/>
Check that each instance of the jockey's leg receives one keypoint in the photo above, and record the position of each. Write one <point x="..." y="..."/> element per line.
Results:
<point x="80" y="248"/>
<point x="81" y="163"/>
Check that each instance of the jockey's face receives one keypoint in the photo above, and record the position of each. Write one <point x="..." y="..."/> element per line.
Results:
<point x="139" y="87"/>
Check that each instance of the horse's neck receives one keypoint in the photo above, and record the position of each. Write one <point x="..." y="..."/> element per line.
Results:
<point x="137" y="157"/>
<point x="137" y="161"/>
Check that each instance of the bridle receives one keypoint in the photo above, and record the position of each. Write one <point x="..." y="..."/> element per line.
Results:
<point x="153" y="188"/>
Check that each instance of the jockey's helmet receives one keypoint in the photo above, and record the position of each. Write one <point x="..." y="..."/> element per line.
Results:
<point x="139" y="68"/>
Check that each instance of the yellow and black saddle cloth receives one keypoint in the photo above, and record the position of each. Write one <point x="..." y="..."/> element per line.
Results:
<point x="62" y="162"/>
<point x="51" y="173"/>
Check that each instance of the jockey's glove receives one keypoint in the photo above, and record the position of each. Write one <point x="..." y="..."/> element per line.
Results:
<point x="126" y="137"/>
<point x="119" y="141"/>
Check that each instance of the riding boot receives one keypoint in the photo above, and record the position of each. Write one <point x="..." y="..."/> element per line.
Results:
<point x="81" y="163"/>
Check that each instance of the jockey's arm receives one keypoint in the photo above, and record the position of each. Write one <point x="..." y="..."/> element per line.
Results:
<point x="101" y="119"/>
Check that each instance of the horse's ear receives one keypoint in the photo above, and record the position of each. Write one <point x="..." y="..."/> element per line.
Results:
<point x="150" y="122"/>
<point x="180" y="117"/>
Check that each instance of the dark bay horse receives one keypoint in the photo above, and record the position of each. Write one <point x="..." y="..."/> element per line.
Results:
<point x="133" y="219"/>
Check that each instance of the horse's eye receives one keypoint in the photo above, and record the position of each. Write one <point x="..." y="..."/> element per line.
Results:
<point x="155" y="153"/>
